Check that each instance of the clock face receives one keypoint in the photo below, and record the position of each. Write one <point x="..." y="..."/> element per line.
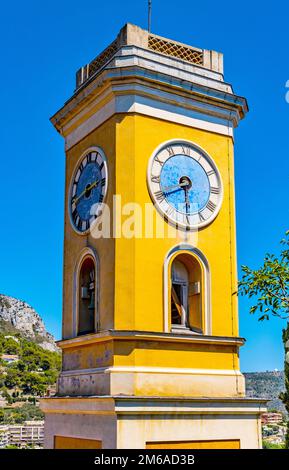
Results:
<point x="88" y="190"/>
<point x="185" y="184"/>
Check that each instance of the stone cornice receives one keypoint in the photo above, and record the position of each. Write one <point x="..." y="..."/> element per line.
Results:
<point x="141" y="405"/>
<point x="127" y="335"/>
<point x="132" y="66"/>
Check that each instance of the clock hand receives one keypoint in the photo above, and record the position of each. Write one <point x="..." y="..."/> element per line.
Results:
<point x="170" y="188"/>
<point x="76" y="199"/>
<point x="187" y="202"/>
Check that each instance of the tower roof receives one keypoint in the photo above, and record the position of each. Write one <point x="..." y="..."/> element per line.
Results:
<point x="140" y="70"/>
<point x="132" y="35"/>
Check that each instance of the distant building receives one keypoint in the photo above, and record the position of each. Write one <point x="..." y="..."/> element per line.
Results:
<point x="30" y="432"/>
<point x="272" y="418"/>
<point x="4" y="436"/>
<point x="10" y="358"/>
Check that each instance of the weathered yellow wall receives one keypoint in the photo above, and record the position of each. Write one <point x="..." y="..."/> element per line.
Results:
<point x="151" y="354"/>
<point x="103" y="137"/>
<point x="131" y="270"/>
<point x="88" y="356"/>
<point x="172" y="354"/>
<point x="139" y="262"/>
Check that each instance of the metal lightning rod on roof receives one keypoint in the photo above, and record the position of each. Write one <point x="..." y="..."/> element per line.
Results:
<point x="149" y="15"/>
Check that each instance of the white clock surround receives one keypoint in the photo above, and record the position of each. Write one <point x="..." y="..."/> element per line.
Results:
<point x="185" y="147"/>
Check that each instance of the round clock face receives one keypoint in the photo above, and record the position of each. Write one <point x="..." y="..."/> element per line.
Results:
<point x="88" y="190"/>
<point x="185" y="185"/>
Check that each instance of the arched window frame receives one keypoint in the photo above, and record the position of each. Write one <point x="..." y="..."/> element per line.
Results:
<point x="206" y="282"/>
<point x="85" y="253"/>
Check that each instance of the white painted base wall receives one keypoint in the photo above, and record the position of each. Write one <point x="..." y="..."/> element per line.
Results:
<point x="129" y="423"/>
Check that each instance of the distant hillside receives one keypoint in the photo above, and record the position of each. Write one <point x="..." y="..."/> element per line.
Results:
<point x="266" y="385"/>
<point x="27" y="371"/>
<point x="17" y="316"/>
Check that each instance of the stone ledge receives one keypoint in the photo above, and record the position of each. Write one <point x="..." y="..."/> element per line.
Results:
<point x="120" y="404"/>
<point x="110" y="335"/>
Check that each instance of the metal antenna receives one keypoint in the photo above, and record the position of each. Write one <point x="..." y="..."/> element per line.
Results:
<point x="149" y="15"/>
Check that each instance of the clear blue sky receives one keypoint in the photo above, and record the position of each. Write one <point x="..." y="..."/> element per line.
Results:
<point x="44" y="43"/>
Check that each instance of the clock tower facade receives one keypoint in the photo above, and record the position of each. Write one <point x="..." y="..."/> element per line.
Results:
<point x="150" y="324"/>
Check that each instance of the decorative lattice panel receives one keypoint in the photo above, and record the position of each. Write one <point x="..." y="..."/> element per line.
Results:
<point x="103" y="58"/>
<point x="175" y="50"/>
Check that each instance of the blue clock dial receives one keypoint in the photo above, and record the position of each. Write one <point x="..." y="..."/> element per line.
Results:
<point x="88" y="190"/>
<point x="173" y="173"/>
<point x="185" y="184"/>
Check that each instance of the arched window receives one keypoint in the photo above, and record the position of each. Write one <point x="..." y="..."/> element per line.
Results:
<point x="187" y="292"/>
<point x="87" y="297"/>
<point x="179" y="294"/>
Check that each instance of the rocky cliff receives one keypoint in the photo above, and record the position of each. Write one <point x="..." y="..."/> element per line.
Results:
<point x="18" y="316"/>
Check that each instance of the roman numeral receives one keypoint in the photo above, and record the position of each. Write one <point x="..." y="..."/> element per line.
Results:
<point x="77" y="176"/>
<point x="101" y="198"/>
<point x="103" y="182"/>
<point x="170" y="151"/>
<point x="101" y="166"/>
<point x="211" y="206"/>
<point x="170" y="210"/>
<point x="211" y="172"/>
<point x="202" y="218"/>
<point x="186" y="150"/>
<point x="74" y="214"/>
<point x="159" y="196"/>
<point x="155" y="179"/>
<point x="215" y="190"/>
<point x="159" y="161"/>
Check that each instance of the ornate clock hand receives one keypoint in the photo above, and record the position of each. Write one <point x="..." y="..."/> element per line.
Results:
<point x="187" y="184"/>
<point x="187" y="202"/>
<point x="88" y="188"/>
<point x="170" y="188"/>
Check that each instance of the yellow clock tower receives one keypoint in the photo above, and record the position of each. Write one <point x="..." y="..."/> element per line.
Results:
<point x="150" y="324"/>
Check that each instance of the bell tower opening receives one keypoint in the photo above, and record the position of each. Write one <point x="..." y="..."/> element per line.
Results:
<point x="86" y="297"/>
<point x="179" y="294"/>
<point x="187" y="294"/>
